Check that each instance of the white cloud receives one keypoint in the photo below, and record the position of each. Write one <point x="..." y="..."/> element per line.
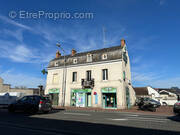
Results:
<point x="17" y="34"/>
<point x="162" y="2"/>
<point x="16" y="79"/>
<point x="7" y="20"/>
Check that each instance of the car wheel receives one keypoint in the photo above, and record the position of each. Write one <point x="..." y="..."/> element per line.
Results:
<point x="164" y="103"/>
<point x="45" y="112"/>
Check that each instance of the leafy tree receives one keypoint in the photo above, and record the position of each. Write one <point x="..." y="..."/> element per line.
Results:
<point x="44" y="71"/>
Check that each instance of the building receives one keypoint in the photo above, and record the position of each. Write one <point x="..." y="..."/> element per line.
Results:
<point x="6" y="88"/>
<point x="98" y="78"/>
<point x="146" y="92"/>
<point x="163" y="96"/>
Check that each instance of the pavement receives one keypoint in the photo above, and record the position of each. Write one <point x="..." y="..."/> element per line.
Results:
<point x="66" y="122"/>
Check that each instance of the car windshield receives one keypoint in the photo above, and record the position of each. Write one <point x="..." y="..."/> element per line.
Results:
<point x="23" y="99"/>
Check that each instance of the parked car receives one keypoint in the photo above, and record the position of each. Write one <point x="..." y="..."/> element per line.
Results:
<point x="148" y="104"/>
<point x="176" y="108"/>
<point x="31" y="104"/>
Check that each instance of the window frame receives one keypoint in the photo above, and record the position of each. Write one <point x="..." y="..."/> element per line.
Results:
<point x="74" y="76"/>
<point x="89" y="57"/>
<point x="89" y="75"/>
<point x="105" y="74"/>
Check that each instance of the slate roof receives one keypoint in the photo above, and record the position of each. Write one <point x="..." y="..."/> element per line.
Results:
<point x="103" y="50"/>
<point x="113" y="53"/>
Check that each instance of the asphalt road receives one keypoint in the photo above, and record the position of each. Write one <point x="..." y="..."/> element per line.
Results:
<point x="87" y="123"/>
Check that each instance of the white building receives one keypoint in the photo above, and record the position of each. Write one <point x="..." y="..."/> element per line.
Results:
<point x="98" y="78"/>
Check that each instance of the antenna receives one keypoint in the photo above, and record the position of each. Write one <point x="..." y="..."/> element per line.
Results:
<point x="104" y="36"/>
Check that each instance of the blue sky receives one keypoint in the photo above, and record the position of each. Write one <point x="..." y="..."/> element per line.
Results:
<point x="150" y="28"/>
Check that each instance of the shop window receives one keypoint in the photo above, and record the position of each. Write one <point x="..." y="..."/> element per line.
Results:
<point x="55" y="79"/>
<point x="74" y="61"/>
<point x="104" y="56"/>
<point x="89" y="57"/>
<point x="88" y="75"/>
<point x="74" y="76"/>
<point x="105" y="74"/>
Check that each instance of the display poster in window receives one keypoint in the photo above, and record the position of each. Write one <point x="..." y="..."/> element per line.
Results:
<point x="80" y="100"/>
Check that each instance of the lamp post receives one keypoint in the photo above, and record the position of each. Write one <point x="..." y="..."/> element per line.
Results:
<point x="64" y="76"/>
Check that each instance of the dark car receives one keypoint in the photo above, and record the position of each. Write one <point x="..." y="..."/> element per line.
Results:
<point x="148" y="104"/>
<point x="31" y="104"/>
<point x="176" y="108"/>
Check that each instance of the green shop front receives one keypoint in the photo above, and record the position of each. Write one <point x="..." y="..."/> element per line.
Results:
<point x="54" y="95"/>
<point x="109" y="99"/>
<point x="81" y="97"/>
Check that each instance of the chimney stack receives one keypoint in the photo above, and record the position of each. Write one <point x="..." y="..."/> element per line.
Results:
<point x="73" y="52"/>
<point x="58" y="54"/>
<point x="123" y="42"/>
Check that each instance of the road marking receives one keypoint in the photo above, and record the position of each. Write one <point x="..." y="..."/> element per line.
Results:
<point x="143" y="118"/>
<point x="119" y="119"/>
<point x="78" y="114"/>
<point x="133" y="115"/>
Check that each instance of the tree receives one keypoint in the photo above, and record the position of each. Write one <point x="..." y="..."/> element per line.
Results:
<point x="44" y="71"/>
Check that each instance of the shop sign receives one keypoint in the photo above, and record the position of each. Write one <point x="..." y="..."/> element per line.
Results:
<point x="81" y="90"/>
<point x="108" y="90"/>
<point x="54" y="90"/>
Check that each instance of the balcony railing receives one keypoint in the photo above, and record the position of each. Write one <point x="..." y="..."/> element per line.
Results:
<point x="87" y="83"/>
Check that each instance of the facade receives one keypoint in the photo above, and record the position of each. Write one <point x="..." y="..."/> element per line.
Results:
<point x="6" y="88"/>
<point x="98" y="78"/>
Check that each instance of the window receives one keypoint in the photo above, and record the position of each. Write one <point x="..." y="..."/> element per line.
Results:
<point x="124" y="75"/>
<point x="89" y="57"/>
<point x="56" y="64"/>
<point x="88" y="75"/>
<point x="105" y="74"/>
<point x="74" y="61"/>
<point x="55" y="79"/>
<point x="104" y="56"/>
<point x="74" y="76"/>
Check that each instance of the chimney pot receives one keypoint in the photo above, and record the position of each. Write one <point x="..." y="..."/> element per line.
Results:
<point x="123" y="42"/>
<point x="73" y="52"/>
<point x="58" y="54"/>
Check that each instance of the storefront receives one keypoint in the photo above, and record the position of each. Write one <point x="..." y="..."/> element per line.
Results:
<point x="81" y="97"/>
<point x="109" y="97"/>
<point x="54" y="95"/>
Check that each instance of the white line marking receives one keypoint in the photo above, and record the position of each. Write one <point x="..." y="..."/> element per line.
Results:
<point x="78" y="114"/>
<point x="119" y="119"/>
<point x="142" y="118"/>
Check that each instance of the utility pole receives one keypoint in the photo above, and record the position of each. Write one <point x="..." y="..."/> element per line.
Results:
<point x="64" y="77"/>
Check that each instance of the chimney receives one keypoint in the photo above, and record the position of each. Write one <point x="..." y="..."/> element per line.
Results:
<point x="123" y="42"/>
<point x="73" y="52"/>
<point x="58" y="54"/>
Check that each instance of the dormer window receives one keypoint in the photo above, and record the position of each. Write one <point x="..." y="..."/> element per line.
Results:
<point x="56" y="63"/>
<point x="89" y="57"/>
<point x="104" y="56"/>
<point x="74" y="61"/>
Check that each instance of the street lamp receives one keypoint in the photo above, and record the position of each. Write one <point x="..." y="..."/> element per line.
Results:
<point x="64" y="77"/>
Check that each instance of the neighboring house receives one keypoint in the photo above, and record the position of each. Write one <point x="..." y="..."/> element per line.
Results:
<point x="98" y="78"/>
<point x="6" y="88"/>
<point x="168" y="98"/>
<point x="146" y="92"/>
<point x="163" y="96"/>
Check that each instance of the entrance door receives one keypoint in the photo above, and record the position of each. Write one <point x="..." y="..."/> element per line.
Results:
<point x="110" y="100"/>
<point x="88" y="99"/>
<point x="128" y="98"/>
<point x="54" y="98"/>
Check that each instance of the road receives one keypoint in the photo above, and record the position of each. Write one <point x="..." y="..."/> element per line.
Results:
<point x="87" y="123"/>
